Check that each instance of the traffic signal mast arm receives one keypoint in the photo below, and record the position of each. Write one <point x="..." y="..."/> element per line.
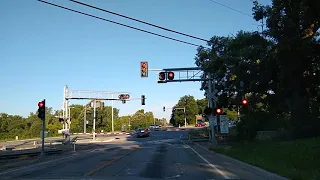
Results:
<point x="174" y="74"/>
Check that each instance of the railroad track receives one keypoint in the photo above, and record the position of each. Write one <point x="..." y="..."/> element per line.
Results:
<point x="28" y="154"/>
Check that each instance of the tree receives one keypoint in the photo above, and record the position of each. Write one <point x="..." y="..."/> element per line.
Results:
<point x="202" y="104"/>
<point x="283" y="59"/>
<point x="293" y="26"/>
<point x="191" y="108"/>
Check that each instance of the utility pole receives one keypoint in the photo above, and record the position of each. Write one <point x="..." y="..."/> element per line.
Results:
<point x="94" y="120"/>
<point x="85" y="120"/>
<point x="112" y="123"/>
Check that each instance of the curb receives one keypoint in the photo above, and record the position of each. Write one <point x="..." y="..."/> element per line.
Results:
<point x="272" y="175"/>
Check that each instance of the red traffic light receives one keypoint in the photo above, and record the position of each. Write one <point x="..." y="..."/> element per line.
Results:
<point x="170" y="75"/>
<point x="218" y="110"/>
<point x="144" y="69"/>
<point x="40" y="104"/>
<point x="244" y="101"/>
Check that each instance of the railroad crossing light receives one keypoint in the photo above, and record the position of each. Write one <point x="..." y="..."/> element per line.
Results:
<point x="143" y="98"/>
<point x="41" y="109"/>
<point x="219" y="111"/>
<point x="244" y="102"/>
<point x="144" y="69"/>
<point x="170" y="75"/>
<point x="162" y="76"/>
<point x="164" y="108"/>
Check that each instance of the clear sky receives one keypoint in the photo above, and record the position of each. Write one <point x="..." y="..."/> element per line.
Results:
<point x="44" y="48"/>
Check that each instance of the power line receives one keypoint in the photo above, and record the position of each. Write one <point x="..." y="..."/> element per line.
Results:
<point x="231" y="8"/>
<point x="127" y="17"/>
<point x="62" y="7"/>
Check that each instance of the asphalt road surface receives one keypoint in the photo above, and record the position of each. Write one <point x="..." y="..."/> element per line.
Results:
<point x="161" y="156"/>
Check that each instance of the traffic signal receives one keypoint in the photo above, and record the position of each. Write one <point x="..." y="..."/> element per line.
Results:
<point x="61" y="120"/>
<point x="218" y="111"/>
<point x="170" y="75"/>
<point x="41" y="109"/>
<point x="144" y="69"/>
<point x="164" y="108"/>
<point x="162" y="76"/>
<point x="244" y="102"/>
<point x="143" y="98"/>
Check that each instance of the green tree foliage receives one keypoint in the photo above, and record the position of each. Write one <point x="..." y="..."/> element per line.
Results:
<point x="178" y="115"/>
<point x="141" y="119"/>
<point x="13" y="125"/>
<point x="202" y="104"/>
<point x="284" y="58"/>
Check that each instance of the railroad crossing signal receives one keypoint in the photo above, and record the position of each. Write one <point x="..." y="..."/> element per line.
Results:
<point x="143" y="100"/>
<point x="244" y="102"/>
<point x="144" y="69"/>
<point x="42" y="110"/>
<point x="170" y="75"/>
<point x="218" y="111"/>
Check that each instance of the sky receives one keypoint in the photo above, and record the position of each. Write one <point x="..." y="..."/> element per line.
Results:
<point x="44" y="48"/>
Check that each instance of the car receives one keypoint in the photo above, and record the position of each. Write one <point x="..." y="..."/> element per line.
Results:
<point x="200" y="124"/>
<point x="142" y="132"/>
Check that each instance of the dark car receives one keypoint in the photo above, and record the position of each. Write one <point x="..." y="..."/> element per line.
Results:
<point x="142" y="132"/>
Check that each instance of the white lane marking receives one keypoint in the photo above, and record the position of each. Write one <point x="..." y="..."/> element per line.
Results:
<point x="108" y="140"/>
<point x="205" y="160"/>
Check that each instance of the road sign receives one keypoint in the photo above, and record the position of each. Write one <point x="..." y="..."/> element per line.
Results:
<point x="224" y="124"/>
<point x="212" y="120"/>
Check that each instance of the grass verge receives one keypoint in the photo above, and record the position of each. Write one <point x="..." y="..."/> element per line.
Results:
<point x="296" y="160"/>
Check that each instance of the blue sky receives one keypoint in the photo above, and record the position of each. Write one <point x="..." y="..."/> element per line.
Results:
<point x="43" y="48"/>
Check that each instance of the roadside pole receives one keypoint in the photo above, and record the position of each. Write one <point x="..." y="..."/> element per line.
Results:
<point x="43" y="129"/>
<point x="94" y="120"/>
<point x="212" y="104"/>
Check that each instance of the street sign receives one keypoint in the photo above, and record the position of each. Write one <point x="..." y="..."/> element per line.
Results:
<point x="224" y="124"/>
<point x="212" y="120"/>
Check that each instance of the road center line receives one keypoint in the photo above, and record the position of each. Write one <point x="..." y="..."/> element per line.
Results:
<point x="205" y="160"/>
<point x="107" y="163"/>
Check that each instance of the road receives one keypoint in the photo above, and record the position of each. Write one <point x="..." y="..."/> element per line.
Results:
<point x="163" y="155"/>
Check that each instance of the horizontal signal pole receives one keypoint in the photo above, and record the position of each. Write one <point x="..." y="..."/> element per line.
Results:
<point x="184" y="80"/>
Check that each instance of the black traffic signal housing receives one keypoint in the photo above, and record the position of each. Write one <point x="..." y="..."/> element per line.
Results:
<point x="164" y="108"/>
<point x="143" y="100"/>
<point x="244" y="106"/>
<point x="207" y="111"/>
<point x="144" y="69"/>
<point x="42" y="109"/>
<point x="162" y="76"/>
<point x="170" y="75"/>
